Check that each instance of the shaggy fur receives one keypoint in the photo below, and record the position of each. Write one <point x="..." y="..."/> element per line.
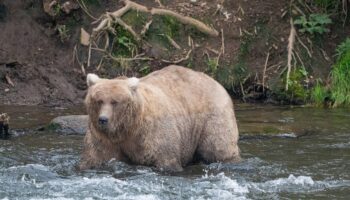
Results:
<point x="162" y="120"/>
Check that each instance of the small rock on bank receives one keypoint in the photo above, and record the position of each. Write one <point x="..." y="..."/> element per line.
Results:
<point x="71" y="124"/>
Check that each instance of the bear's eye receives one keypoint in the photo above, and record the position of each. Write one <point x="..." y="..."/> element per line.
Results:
<point x="114" y="103"/>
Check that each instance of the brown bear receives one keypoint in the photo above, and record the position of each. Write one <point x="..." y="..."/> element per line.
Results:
<point x="164" y="119"/>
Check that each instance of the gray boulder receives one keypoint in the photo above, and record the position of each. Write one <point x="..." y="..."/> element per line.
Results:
<point x="70" y="124"/>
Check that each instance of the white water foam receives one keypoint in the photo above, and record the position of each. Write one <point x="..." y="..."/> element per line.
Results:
<point x="296" y="184"/>
<point x="219" y="186"/>
<point x="300" y="180"/>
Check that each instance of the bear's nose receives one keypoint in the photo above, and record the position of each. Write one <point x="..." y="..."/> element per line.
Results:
<point x="102" y="120"/>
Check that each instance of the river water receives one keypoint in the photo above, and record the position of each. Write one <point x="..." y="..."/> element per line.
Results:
<point x="288" y="153"/>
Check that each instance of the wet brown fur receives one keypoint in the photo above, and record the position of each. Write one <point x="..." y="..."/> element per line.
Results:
<point x="171" y="115"/>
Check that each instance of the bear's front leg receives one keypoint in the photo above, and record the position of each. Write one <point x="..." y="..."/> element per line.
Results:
<point x="6" y="131"/>
<point x="90" y="158"/>
<point x="97" y="152"/>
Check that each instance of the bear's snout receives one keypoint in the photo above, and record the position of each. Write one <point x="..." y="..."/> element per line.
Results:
<point x="103" y="120"/>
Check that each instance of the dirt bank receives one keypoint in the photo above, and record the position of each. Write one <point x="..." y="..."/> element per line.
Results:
<point x="39" y="66"/>
<point x="36" y="49"/>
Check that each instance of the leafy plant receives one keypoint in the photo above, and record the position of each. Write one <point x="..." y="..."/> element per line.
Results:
<point x="124" y="44"/>
<point x="343" y="48"/>
<point x="315" y="23"/>
<point x="303" y="71"/>
<point x="297" y="87"/>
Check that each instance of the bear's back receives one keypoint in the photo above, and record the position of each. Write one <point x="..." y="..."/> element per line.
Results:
<point x="194" y="89"/>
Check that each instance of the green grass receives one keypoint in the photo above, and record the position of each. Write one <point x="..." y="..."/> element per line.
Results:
<point x="339" y="90"/>
<point x="340" y="87"/>
<point x="343" y="48"/>
<point x="319" y="94"/>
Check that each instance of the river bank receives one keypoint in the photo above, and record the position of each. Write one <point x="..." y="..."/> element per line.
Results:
<point x="42" y="61"/>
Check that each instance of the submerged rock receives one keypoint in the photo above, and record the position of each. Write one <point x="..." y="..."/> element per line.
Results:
<point x="70" y="124"/>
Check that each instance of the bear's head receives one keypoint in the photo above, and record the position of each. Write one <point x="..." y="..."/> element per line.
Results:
<point x="112" y="105"/>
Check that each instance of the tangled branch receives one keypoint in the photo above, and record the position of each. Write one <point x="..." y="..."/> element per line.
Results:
<point x="105" y="24"/>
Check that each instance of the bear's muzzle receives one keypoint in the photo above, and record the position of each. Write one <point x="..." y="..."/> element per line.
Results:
<point x="103" y="121"/>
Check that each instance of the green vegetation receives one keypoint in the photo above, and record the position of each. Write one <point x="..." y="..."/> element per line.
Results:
<point x="233" y="76"/>
<point x="124" y="45"/>
<point x="339" y="91"/>
<point x="63" y="32"/>
<point x="314" y="24"/>
<point x="340" y="88"/>
<point x="163" y="27"/>
<point x="163" y="37"/>
<point x="145" y="70"/>
<point x="212" y="66"/>
<point x="343" y="48"/>
<point x="328" y="6"/>
<point x="297" y="91"/>
<point x="319" y="94"/>
<point x="57" y="9"/>
<point x="135" y="19"/>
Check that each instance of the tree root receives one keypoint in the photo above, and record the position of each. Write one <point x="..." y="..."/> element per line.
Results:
<point x="128" y="28"/>
<point x="172" y="42"/>
<point x="264" y="72"/>
<point x="291" y="41"/>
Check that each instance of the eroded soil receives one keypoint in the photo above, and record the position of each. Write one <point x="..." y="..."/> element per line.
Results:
<point x="41" y="67"/>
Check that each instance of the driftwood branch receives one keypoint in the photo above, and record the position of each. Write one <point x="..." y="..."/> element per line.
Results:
<point x="128" y="28"/>
<point x="129" y="5"/>
<point x="105" y="24"/>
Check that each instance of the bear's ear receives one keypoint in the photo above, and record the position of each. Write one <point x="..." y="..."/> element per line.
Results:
<point x="92" y="79"/>
<point x="133" y="82"/>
